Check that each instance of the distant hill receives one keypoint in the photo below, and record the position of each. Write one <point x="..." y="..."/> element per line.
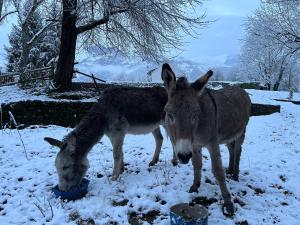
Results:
<point x="115" y="67"/>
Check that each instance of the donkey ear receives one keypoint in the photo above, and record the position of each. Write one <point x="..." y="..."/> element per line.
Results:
<point x="53" y="141"/>
<point x="168" y="76"/>
<point x="199" y="84"/>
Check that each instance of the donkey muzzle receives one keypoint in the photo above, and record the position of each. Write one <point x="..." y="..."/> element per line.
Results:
<point x="184" y="158"/>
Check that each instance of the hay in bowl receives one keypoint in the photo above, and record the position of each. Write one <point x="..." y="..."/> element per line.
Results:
<point x="74" y="193"/>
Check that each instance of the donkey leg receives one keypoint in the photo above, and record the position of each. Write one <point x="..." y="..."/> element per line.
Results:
<point x="237" y="156"/>
<point x="117" y="143"/>
<point x="174" y="160"/>
<point x="158" y="142"/>
<point x="197" y="165"/>
<point x="217" y="169"/>
<point x="230" y="147"/>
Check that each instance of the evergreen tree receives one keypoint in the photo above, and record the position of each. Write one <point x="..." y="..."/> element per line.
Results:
<point x="14" y="50"/>
<point x="43" y="50"/>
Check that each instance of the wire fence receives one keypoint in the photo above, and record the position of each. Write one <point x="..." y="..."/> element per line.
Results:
<point x="11" y="78"/>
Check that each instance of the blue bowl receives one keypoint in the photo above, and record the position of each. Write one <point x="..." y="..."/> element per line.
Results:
<point x="74" y="193"/>
<point x="188" y="214"/>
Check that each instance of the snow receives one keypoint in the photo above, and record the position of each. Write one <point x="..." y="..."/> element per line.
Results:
<point x="269" y="178"/>
<point x="14" y="94"/>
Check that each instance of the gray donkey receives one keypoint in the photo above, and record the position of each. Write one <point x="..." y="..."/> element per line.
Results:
<point x="118" y="112"/>
<point x="197" y="117"/>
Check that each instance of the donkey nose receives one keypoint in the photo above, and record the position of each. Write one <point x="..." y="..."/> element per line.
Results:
<point x="184" y="158"/>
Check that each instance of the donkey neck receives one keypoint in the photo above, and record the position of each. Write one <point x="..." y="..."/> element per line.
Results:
<point x="90" y="129"/>
<point x="208" y="115"/>
<point x="214" y="104"/>
<point x="207" y="101"/>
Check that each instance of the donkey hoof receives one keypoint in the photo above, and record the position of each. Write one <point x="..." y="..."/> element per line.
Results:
<point x="194" y="188"/>
<point x="114" y="177"/>
<point x="122" y="169"/>
<point x="174" y="162"/>
<point x="228" y="209"/>
<point x="152" y="163"/>
<point x="228" y="171"/>
<point x="235" y="177"/>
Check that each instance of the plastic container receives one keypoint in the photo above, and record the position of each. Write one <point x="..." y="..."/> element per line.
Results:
<point x="74" y="193"/>
<point x="188" y="214"/>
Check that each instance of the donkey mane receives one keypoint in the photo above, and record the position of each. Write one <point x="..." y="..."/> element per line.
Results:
<point x="182" y="83"/>
<point x="89" y="130"/>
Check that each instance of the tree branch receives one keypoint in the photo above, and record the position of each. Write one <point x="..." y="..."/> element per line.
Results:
<point x="35" y="5"/>
<point x="95" y="23"/>
<point x="39" y="34"/>
<point x="7" y="14"/>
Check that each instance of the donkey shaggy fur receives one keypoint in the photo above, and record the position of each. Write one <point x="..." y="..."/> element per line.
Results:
<point x="118" y="112"/>
<point x="197" y="117"/>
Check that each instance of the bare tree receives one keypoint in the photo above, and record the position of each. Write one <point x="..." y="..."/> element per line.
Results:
<point x="271" y="42"/>
<point x="285" y="27"/>
<point x="147" y="28"/>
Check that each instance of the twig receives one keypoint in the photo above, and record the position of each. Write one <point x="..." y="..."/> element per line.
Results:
<point x="95" y="82"/>
<point x="84" y="74"/>
<point x="52" y="214"/>
<point x="40" y="208"/>
<point x="12" y="118"/>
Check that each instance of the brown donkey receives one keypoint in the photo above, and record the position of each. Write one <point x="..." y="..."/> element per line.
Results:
<point x="119" y="111"/>
<point x="197" y="117"/>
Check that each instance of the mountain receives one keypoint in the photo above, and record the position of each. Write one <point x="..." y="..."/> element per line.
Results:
<point x="116" y="67"/>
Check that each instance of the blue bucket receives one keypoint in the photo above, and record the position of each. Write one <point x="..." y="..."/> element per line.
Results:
<point x="74" y="193"/>
<point x="188" y="214"/>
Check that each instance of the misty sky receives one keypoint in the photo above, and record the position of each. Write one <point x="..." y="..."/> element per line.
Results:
<point x="220" y="39"/>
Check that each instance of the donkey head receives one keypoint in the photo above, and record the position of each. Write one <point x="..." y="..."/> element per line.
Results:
<point x="70" y="166"/>
<point x="182" y="110"/>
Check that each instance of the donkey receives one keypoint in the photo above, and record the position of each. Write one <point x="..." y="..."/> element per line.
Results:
<point x="197" y="117"/>
<point x="118" y="112"/>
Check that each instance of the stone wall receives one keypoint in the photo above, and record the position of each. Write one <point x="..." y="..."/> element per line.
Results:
<point x="68" y="114"/>
<point x="103" y="86"/>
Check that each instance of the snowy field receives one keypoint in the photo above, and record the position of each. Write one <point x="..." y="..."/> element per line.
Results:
<point x="268" y="191"/>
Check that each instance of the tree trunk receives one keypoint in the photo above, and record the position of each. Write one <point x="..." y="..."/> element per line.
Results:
<point x="23" y="63"/>
<point x="66" y="58"/>
<point x="277" y="83"/>
<point x="24" y="58"/>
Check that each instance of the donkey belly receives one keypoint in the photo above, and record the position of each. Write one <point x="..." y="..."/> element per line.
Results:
<point x="233" y="113"/>
<point x="231" y="136"/>
<point x="142" y="129"/>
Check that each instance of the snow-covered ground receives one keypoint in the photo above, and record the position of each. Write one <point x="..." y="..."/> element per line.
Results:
<point x="267" y="193"/>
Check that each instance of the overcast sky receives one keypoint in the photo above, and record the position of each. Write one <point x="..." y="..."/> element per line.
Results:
<point x="223" y="37"/>
<point x="220" y="39"/>
<point x="231" y="7"/>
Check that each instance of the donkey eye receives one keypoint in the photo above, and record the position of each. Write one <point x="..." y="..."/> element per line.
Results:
<point x="65" y="167"/>
<point x="171" y="117"/>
